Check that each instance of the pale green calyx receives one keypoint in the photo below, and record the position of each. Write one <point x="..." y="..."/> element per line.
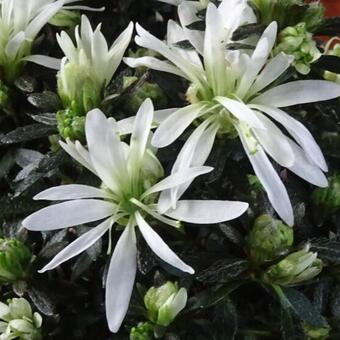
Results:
<point x="143" y="331"/>
<point x="299" y="43"/>
<point x="269" y="239"/>
<point x="19" y="322"/>
<point x="15" y="258"/>
<point x="294" y="269"/>
<point x="164" y="303"/>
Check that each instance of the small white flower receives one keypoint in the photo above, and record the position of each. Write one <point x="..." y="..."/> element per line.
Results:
<point x="131" y="183"/>
<point x="20" y="23"/>
<point x="229" y="94"/>
<point x="88" y="65"/>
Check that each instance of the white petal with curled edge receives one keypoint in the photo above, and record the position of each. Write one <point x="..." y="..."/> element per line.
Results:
<point x="121" y="278"/>
<point x="207" y="212"/>
<point x="271" y="181"/>
<point x="44" y="60"/>
<point x="67" y="214"/>
<point x="82" y="243"/>
<point x="171" y="128"/>
<point x="299" y="132"/>
<point x="178" y="178"/>
<point x="274" y="142"/>
<point x="298" y="92"/>
<point x="71" y="192"/>
<point x="159" y="247"/>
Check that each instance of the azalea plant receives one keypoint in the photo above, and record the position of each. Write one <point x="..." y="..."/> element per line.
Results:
<point x="169" y="170"/>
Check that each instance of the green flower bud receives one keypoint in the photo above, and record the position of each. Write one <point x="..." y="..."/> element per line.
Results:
<point x="294" y="269"/>
<point x="335" y="51"/>
<point x="269" y="239"/>
<point x="19" y="322"/>
<point x="313" y="16"/>
<point x="147" y="90"/>
<point x="70" y="125"/>
<point x="79" y="88"/>
<point x="143" y="331"/>
<point x="65" y="18"/>
<point x="313" y="333"/>
<point x="14" y="260"/>
<point x="328" y="199"/>
<point x="164" y="303"/>
<point x="299" y="43"/>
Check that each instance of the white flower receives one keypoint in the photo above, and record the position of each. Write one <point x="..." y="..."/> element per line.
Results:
<point x="229" y="94"/>
<point x="20" y="23"/>
<point x="88" y="65"/>
<point x="130" y="176"/>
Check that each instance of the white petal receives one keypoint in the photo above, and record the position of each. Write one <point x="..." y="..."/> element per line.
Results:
<point x="66" y="44"/>
<point x="299" y="132"/>
<point x="214" y="50"/>
<point x="271" y="182"/>
<point x="305" y="169"/>
<point x="258" y="59"/>
<point x="121" y="278"/>
<point x="141" y="132"/>
<point x="118" y="49"/>
<point x="106" y="150"/>
<point x="241" y="111"/>
<point x="125" y="126"/>
<point x="82" y="243"/>
<point x="79" y="153"/>
<point x="69" y="214"/>
<point x="178" y="178"/>
<point x="14" y="45"/>
<point x="194" y="152"/>
<point x="154" y="64"/>
<point x="43" y="60"/>
<point x="299" y="92"/>
<point x="274" y="142"/>
<point x="172" y="127"/>
<point x="42" y="18"/>
<point x="273" y="70"/>
<point x="187" y="15"/>
<point x="207" y="212"/>
<point x="159" y="247"/>
<point x="71" y="192"/>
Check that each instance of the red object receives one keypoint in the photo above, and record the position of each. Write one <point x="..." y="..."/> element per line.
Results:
<point x="332" y="7"/>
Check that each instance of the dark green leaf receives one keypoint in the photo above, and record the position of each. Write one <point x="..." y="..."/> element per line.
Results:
<point x="329" y="62"/>
<point x="303" y="308"/>
<point x="47" y="101"/>
<point x="290" y="329"/>
<point x="223" y="270"/>
<point x="27" y="133"/>
<point x="45" y="168"/>
<point x="197" y="26"/>
<point x="41" y="299"/>
<point x="247" y="30"/>
<point x="184" y="44"/>
<point x="232" y="234"/>
<point x="26" y="84"/>
<point x="6" y="163"/>
<point x="239" y="46"/>
<point x="329" y="26"/>
<point x="225" y="320"/>
<point x="45" y="118"/>
<point x="211" y="296"/>
<point x="328" y="250"/>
